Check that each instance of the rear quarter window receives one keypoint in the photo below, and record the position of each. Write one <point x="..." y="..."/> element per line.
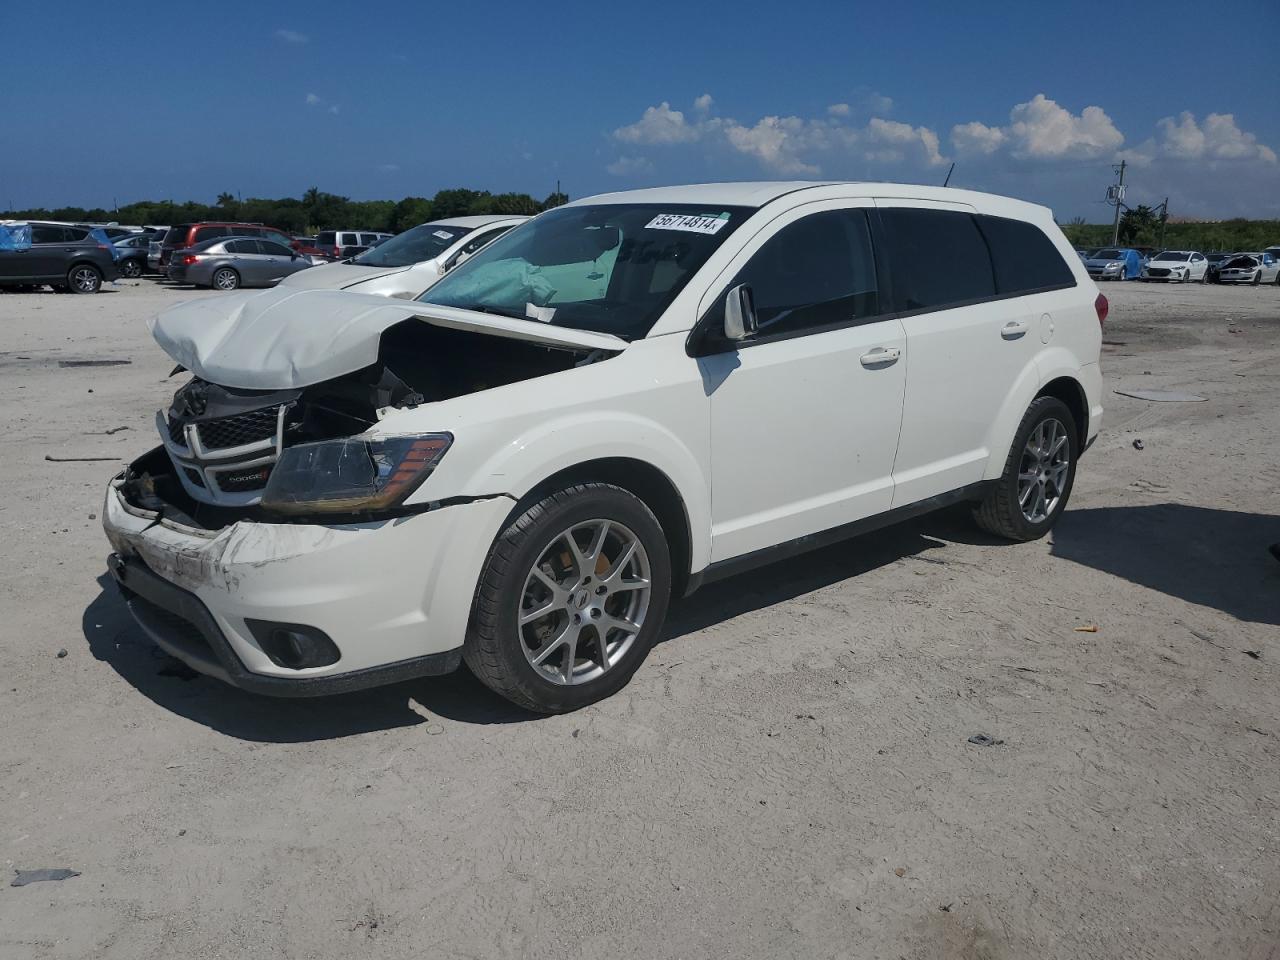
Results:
<point x="208" y="233"/>
<point x="937" y="258"/>
<point x="1023" y="257"/>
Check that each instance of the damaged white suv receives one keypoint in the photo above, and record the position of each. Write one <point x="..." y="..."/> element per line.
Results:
<point x="617" y="401"/>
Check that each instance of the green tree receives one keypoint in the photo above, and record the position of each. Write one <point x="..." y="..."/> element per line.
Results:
<point x="556" y="199"/>
<point x="410" y="212"/>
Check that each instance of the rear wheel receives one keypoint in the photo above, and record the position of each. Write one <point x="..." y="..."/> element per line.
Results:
<point x="572" y="597"/>
<point x="224" y="278"/>
<point x="84" y="278"/>
<point x="131" y="268"/>
<point x="1038" y="475"/>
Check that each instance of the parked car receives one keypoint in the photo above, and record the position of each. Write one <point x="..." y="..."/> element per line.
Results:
<point x="131" y="254"/>
<point x="187" y="235"/>
<point x="1252" y="268"/>
<point x="408" y="263"/>
<point x="1214" y="261"/>
<point x="1176" y="266"/>
<point x="337" y="244"/>
<point x="34" y="254"/>
<point x="226" y="264"/>
<point x="613" y="403"/>
<point x="1114" y="263"/>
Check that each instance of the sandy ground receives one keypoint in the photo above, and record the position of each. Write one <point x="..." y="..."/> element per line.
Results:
<point x="788" y="775"/>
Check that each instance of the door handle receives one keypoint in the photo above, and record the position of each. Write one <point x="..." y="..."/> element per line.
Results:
<point x="881" y="357"/>
<point x="1013" y="329"/>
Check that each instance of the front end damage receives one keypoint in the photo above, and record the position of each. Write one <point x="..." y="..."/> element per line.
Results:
<point x="288" y="587"/>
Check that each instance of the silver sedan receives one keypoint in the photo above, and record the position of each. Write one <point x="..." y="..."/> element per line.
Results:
<point x="226" y="263"/>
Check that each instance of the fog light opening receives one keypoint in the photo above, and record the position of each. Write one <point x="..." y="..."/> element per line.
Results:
<point x="294" y="645"/>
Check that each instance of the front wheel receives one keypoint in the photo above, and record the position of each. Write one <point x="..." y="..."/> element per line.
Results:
<point x="83" y="278"/>
<point x="1257" y="278"/>
<point x="572" y="596"/>
<point x="131" y="269"/>
<point x="1038" y="475"/>
<point x="225" y="278"/>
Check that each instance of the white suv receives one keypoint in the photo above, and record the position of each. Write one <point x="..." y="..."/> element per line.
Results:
<point x="617" y="401"/>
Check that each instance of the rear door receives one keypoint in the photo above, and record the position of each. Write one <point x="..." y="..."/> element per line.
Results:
<point x="805" y="414"/>
<point x="973" y="330"/>
<point x="51" y="248"/>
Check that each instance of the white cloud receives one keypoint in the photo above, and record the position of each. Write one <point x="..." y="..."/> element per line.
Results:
<point x="1217" y="138"/>
<point x="292" y="36"/>
<point x="630" y="166"/>
<point x="313" y="100"/>
<point x="876" y="103"/>
<point x="1043" y="129"/>
<point x="790" y="145"/>
<point x="976" y="137"/>
<point x="704" y="103"/>
<point x="388" y="167"/>
<point x="658" y="124"/>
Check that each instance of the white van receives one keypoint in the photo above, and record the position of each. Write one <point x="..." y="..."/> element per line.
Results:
<point x="623" y="398"/>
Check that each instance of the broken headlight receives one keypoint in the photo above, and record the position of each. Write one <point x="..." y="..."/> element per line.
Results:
<point x="355" y="474"/>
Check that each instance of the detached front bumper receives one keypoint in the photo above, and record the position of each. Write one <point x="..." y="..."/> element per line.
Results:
<point x="393" y="596"/>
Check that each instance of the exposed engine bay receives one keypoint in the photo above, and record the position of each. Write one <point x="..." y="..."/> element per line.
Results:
<point x="220" y="443"/>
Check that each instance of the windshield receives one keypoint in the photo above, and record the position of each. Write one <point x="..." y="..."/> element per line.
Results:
<point x="424" y="242"/>
<point x="1108" y="255"/>
<point x="1172" y="255"/>
<point x="606" y="268"/>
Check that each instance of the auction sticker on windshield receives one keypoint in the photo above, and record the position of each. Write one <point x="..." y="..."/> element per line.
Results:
<point x="688" y="223"/>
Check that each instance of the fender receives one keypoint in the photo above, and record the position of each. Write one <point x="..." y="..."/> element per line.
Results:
<point x="1056" y="362"/>
<point x="999" y="438"/>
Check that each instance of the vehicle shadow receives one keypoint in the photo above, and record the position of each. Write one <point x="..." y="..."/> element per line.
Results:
<point x="114" y="638"/>
<point x="1209" y="557"/>
<point x="787" y="579"/>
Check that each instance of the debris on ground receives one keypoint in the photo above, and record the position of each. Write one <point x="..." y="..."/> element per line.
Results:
<point x="52" y="459"/>
<point x="1138" y="444"/>
<point x="1090" y="628"/>
<point x="36" y="876"/>
<point x="985" y="740"/>
<point x="900" y="872"/>
<point x="62" y="653"/>
<point x="1255" y="654"/>
<point x="113" y="430"/>
<point x="946" y="907"/>
<point x="1163" y="396"/>
<point x="94" y="363"/>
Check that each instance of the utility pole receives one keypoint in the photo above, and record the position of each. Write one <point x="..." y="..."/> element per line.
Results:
<point x="1118" y="200"/>
<point x="1164" y="218"/>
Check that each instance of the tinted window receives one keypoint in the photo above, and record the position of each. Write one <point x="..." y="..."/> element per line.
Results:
<point x="424" y="242"/>
<point x="349" y="240"/>
<point x="325" y="239"/>
<point x="75" y="234"/>
<point x="241" y="246"/>
<point x="274" y="249"/>
<point x="1023" y="257"/>
<point x="475" y="243"/>
<point x="177" y="236"/>
<point x="814" y="272"/>
<point x="209" y="233"/>
<point x="937" y="257"/>
<point x="47" y="234"/>
<point x="368" y="238"/>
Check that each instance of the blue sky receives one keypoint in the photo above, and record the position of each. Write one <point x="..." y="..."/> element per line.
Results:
<point x="392" y="99"/>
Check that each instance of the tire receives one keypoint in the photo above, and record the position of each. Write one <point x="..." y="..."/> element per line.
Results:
<point x="1001" y="512"/>
<point x="84" y="278"/>
<point x="131" y="268"/>
<point x="1257" y="279"/>
<point x="224" y="278"/>
<point x="507" y="634"/>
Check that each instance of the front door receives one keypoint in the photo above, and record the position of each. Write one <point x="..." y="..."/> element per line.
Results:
<point x="804" y="414"/>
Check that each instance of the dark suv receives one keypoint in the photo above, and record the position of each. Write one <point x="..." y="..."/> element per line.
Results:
<point x="186" y="235"/>
<point x="71" y="258"/>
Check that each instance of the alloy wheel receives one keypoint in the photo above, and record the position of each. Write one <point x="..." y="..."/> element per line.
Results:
<point x="584" y="602"/>
<point x="1046" y="461"/>
<point x="85" y="279"/>
<point x="225" y="280"/>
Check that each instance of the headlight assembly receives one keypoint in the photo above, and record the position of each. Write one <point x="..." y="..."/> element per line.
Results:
<point x="351" y="475"/>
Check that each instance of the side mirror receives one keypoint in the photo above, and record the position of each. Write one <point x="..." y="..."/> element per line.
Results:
<point x="739" y="313"/>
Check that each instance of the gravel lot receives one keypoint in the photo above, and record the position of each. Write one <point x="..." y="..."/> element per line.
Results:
<point x="787" y="776"/>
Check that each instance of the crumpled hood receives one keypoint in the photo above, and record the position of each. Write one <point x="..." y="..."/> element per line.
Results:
<point x="336" y="276"/>
<point x="280" y="339"/>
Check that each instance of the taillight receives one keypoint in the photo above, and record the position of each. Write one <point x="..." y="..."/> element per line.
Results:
<point x="189" y="259"/>
<point x="1103" y="308"/>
